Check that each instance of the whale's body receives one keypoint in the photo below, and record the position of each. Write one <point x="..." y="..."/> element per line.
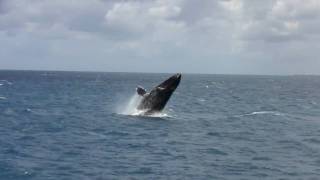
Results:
<point x="157" y="98"/>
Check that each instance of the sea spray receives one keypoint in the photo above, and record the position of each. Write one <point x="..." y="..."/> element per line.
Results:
<point x="130" y="108"/>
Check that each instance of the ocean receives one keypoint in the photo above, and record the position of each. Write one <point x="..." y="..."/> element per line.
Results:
<point x="82" y="125"/>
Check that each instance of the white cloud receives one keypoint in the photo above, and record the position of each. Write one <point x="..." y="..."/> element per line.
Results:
<point x="164" y="11"/>
<point x="126" y="16"/>
<point x="142" y="17"/>
<point x="232" y="5"/>
<point x="224" y="36"/>
<point x="296" y="9"/>
<point x="145" y="24"/>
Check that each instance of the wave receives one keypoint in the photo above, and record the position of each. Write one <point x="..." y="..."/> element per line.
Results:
<point x="275" y="113"/>
<point x="3" y="81"/>
<point x="2" y="97"/>
<point x="201" y="100"/>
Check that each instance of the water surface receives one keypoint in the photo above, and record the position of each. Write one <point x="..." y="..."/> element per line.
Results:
<point x="71" y="125"/>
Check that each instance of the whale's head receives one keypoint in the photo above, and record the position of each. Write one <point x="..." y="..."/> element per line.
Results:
<point x="170" y="84"/>
<point x="159" y="95"/>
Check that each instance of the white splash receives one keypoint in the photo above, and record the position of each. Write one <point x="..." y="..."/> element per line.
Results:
<point x="130" y="108"/>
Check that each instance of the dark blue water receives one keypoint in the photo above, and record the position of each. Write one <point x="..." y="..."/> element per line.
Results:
<point x="67" y="125"/>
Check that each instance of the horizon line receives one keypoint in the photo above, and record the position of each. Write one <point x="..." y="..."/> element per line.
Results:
<point x="146" y="72"/>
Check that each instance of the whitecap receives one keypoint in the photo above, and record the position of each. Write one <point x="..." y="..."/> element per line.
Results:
<point x="201" y="100"/>
<point x="264" y="112"/>
<point x="2" y="97"/>
<point x="3" y="81"/>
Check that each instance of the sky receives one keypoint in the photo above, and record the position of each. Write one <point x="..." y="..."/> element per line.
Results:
<point x="188" y="36"/>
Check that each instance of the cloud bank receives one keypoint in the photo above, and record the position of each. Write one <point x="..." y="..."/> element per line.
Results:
<point x="221" y="36"/>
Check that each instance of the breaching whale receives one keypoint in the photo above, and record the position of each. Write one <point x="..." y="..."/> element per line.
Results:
<point x="157" y="98"/>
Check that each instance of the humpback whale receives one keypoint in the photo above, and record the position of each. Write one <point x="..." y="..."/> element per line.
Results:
<point x="157" y="98"/>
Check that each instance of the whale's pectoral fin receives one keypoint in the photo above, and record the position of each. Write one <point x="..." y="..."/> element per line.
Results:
<point x="141" y="91"/>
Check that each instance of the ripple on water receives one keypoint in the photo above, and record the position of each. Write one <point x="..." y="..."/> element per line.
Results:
<point x="216" y="151"/>
<point x="313" y="141"/>
<point x="257" y="158"/>
<point x="214" y="134"/>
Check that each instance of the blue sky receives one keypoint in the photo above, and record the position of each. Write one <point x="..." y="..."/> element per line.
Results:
<point x="208" y="36"/>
